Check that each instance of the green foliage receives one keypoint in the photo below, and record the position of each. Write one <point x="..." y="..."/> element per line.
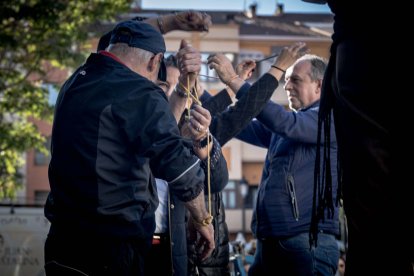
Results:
<point x="35" y="33"/>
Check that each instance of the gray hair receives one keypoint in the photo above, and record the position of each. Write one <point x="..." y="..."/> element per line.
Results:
<point x="136" y="55"/>
<point x="318" y="65"/>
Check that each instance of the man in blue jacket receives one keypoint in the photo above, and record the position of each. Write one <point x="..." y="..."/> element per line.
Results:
<point x="283" y="211"/>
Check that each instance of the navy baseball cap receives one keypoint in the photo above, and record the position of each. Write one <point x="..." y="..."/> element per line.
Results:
<point x="141" y="35"/>
<point x="104" y="41"/>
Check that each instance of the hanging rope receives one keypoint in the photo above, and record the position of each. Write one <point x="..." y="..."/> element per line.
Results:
<point x="208" y="173"/>
<point x="191" y="97"/>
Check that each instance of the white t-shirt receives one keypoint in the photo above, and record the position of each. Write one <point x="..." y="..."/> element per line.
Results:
<point x="161" y="214"/>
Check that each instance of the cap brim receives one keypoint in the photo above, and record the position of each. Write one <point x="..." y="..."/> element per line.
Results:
<point x="162" y="73"/>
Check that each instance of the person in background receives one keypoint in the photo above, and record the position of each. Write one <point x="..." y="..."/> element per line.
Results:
<point x="171" y="213"/>
<point x="173" y="74"/>
<point x="341" y="265"/>
<point x="178" y="249"/>
<point x="226" y="123"/>
<point x="113" y="131"/>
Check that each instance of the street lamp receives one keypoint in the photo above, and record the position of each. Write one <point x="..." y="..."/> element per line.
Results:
<point x="244" y="190"/>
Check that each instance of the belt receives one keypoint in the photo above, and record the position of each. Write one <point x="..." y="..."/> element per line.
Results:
<point x="160" y="238"/>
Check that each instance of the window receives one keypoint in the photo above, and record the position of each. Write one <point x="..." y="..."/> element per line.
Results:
<point x="230" y="195"/>
<point x="210" y="75"/>
<point x="233" y="198"/>
<point x="41" y="159"/>
<point x="251" y="197"/>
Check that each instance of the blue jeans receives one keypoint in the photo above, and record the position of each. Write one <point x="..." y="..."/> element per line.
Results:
<point x="293" y="256"/>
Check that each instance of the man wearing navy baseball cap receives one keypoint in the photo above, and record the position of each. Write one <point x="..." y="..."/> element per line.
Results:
<point x="143" y="36"/>
<point x="113" y="132"/>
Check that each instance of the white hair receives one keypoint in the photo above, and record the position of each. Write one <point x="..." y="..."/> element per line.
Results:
<point x="133" y="54"/>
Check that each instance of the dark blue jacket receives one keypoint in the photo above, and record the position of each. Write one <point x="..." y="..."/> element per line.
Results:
<point x="224" y="126"/>
<point x="113" y="129"/>
<point x="226" y="123"/>
<point x="177" y="211"/>
<point x="284" y="201"/>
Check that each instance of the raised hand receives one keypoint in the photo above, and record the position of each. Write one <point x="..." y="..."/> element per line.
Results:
<point x="197" y="126"/>
<point x="192" y="21"/>
<point x="188" y="59"/>
<point x="245" y="69"/>
<point x="203" y="238"/>
<point x="223" y="67"/>
<point x="290" y="54"/>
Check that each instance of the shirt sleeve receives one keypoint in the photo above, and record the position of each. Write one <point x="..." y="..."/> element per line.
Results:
<point x="229" y="123"/>
<point x="301" y="126"/>
<point x="256" y="133"/>
<point x="218" y="103"/>
<point x="218" y="169"/>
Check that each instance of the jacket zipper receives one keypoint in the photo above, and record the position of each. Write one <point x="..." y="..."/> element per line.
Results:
<point x="293" y="200"/>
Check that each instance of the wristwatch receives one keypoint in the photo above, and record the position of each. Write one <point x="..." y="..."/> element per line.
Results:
<point x="203" y="143"/>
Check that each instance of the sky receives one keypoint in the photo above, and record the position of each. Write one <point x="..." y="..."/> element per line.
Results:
<point x="265" y="7"/>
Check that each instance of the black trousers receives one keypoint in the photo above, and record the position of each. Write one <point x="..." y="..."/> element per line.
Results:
<point x="158" y="261"/>
<point x="94" y="256"/>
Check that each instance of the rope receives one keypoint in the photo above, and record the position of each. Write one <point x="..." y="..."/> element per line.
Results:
<point x="195" y="98"/>
<point x="208" y="173"/>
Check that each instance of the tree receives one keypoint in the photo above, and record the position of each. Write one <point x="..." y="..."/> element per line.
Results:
<point x="34" y="36"/>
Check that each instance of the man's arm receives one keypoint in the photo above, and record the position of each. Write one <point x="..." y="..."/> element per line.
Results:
<point x="198" y="122"/>
<point x="200" y="221"/>
<point x="204" y="145"/>
<point x="301" y="126"/>
<point x="229" y="123"/>
<point x="187" y="56"/>
<point x="183" y="21"/>
<point x="217" y="103"/>
<point x="255" y="133"/>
